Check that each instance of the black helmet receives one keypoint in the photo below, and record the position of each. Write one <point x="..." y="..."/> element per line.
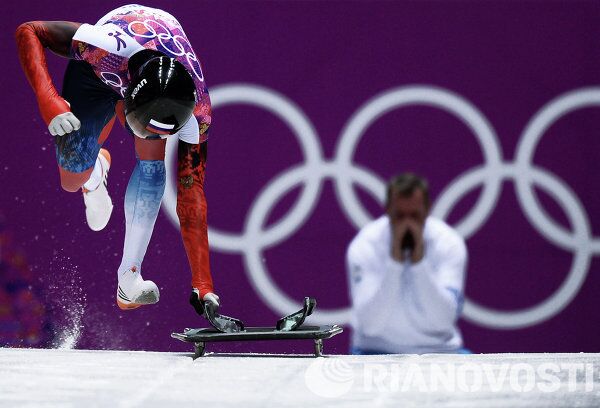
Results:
<point x="161" y="95"/>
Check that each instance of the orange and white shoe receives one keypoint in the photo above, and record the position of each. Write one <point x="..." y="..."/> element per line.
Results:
<point x="133" y="291"/>
<point x="98" y="205"/>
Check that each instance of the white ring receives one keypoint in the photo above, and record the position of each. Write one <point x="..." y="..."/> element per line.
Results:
<point x="418" y="95"/>
<point x="306" y="136"/>
<point x="568" y="289"/>
<point x="260" y="279"/>
<point x="549" y="114"/>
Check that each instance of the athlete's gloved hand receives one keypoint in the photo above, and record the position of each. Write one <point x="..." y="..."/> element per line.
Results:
<point x="212" y="298"/>
<point x="63" y="124"/>
<point x="199" y="304"/>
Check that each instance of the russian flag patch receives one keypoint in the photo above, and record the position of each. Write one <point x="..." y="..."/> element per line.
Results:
<point x="160" y="128"/>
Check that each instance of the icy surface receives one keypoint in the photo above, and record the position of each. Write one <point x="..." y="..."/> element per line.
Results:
<point x="75" y="378"/>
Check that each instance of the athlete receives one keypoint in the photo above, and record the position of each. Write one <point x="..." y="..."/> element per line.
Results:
<point x="136" y="64"/>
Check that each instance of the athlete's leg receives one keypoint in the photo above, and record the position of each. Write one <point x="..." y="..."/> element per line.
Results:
<point x="142" y="203"/>
<point x="90" y="178"/>
<point x="94" y="105"/>
<point x="81" y="161"/>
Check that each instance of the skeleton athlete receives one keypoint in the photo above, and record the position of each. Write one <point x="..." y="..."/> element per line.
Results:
<point x="136" y="64"/>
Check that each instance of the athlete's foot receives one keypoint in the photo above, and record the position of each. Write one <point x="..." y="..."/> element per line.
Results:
<point x="133" y="291"/>
<point x="98" y="205"/>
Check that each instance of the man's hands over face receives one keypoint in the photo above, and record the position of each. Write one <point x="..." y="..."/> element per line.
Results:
<point x="407" y="215"/>
<point x="400" y="229"/>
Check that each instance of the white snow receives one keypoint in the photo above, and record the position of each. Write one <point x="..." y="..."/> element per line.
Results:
<point x="77" y="378"/>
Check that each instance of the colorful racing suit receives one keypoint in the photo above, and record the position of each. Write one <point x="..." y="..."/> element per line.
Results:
<point x="95" y="83"/>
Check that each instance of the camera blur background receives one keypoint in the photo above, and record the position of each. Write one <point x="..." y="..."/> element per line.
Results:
<point x="316" y="105"/>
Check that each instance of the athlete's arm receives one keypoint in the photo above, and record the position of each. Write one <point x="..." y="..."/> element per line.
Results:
<point x="191" y="210"/>
<point x="32" y="38"/>
<point x="203" y="113"/>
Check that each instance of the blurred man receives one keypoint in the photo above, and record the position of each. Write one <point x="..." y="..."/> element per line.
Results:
<point x="406" y="271"/>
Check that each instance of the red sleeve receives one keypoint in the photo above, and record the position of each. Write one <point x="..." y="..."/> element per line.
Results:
<point x="32" y="38"/>
<point x="203" y="113"/>
<point x="191" y="210"/>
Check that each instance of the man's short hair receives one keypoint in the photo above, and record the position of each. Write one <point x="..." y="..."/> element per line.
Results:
<point x="405" y="184"/>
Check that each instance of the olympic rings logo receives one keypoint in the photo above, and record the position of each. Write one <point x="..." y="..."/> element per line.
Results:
<point x="112" y="79"/>
<point x="344" y="172"/>
<point x="164" y="38"/>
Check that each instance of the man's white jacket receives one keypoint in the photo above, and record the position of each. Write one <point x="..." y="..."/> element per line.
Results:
<point x="399" y="307"/>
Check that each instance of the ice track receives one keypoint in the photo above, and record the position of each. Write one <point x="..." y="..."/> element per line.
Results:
<point x="76" y="378"/>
